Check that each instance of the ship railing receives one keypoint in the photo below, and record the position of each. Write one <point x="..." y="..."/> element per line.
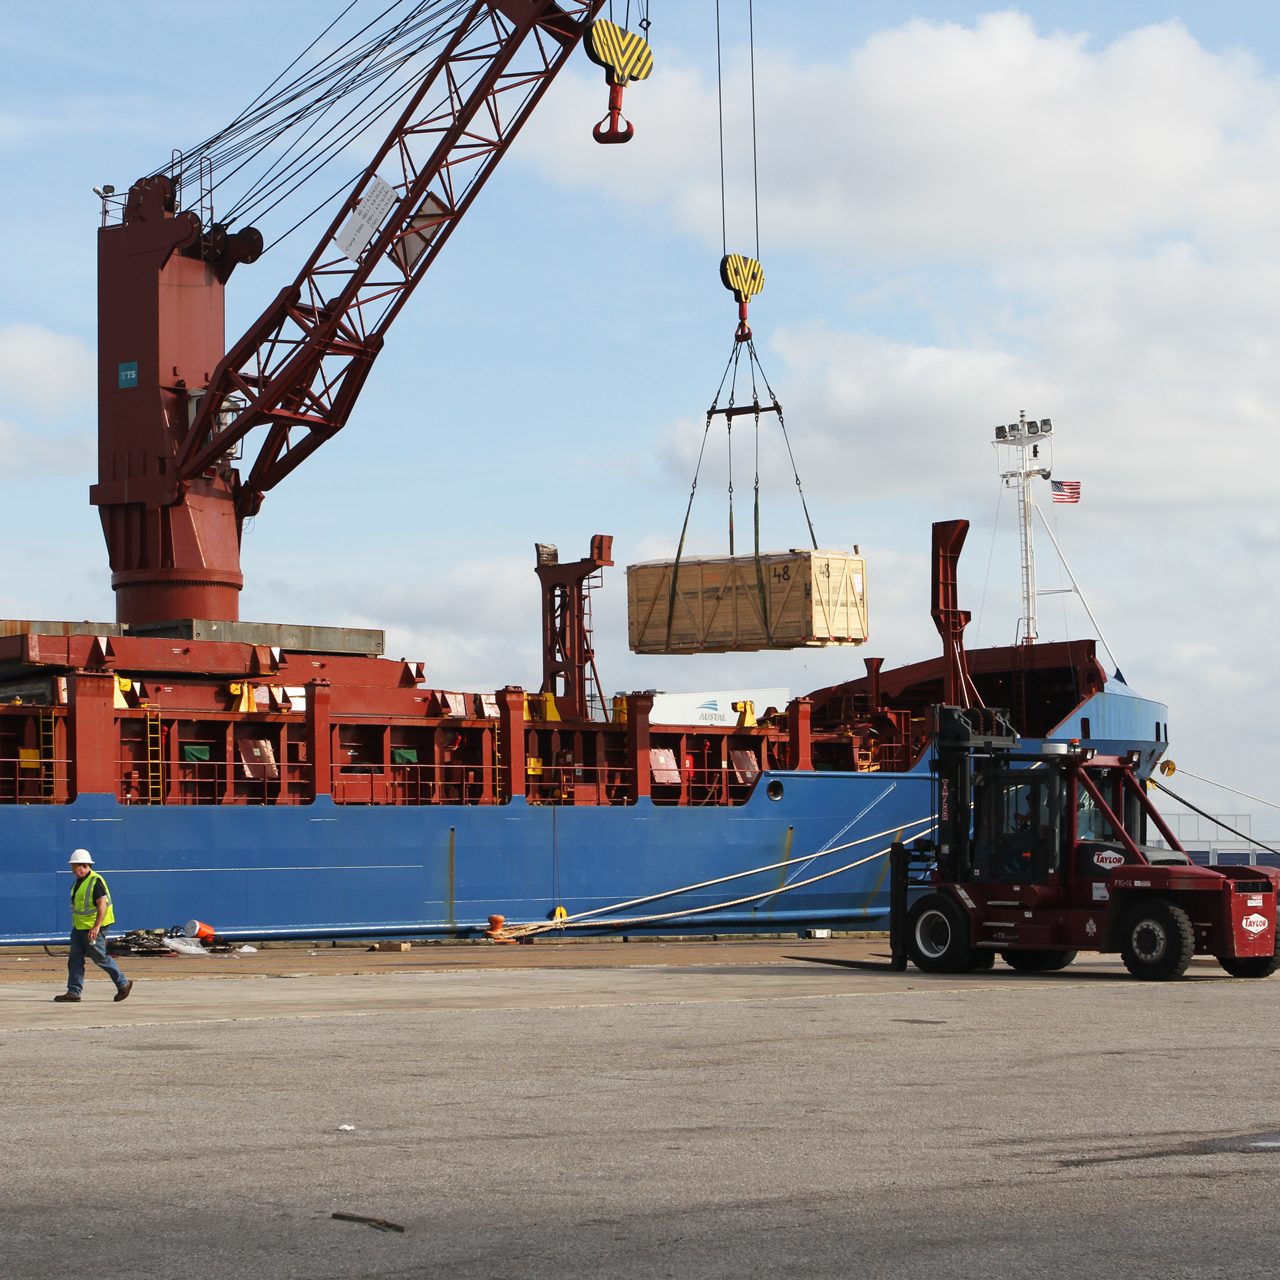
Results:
<point x="720" y="786"/>
<point x="33" y="778"/>
<point x="414" y="784"/>
<point x="579" y="784"/>
<point x="213" y="782"/>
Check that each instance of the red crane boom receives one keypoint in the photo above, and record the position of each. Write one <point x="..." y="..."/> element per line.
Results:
<point x="173" y="408"/>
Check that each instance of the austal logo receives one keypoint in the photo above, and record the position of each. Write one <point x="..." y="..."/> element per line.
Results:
<point x="1255" y="923"/>
<point x="1108" y="858"/>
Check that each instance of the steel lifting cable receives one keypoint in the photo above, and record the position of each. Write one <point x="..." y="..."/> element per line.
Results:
<point x="642" y="9"/>
<point x="372" y="70"/>
<point x="336" y="146"/>
<point x="249" y="114"/>
<point x="288" y="172"/>
<point x="755" y="167"/>
<point x="254" y="130"/>
<point x="377" y="75"/>
<point x="731" y="364"/>
<point x="309" y="88"/>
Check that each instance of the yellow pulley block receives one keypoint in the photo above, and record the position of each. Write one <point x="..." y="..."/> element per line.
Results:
<point x="625" y="56"/>
<point x="744" y="278"/>
<point x="1168" y="768"/>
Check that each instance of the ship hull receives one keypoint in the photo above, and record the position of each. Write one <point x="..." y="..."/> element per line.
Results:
<point x="330" y="870"/>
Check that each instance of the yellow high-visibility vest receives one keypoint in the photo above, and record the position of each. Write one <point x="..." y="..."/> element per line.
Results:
<point x="84" y="911"/>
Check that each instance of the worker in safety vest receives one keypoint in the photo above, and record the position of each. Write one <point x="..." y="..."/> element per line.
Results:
<point x="91" y="913"/>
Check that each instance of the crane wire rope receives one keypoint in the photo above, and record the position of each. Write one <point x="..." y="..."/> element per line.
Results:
<point x="741" y="339"/>
<point x="724" y="216"/>
<point x="755" y="165"/>
<point x="368" y="73"/>
<point x="380" y="73"/>
<point x="301" y="168"/>
<point x="256" y="129"/>
<point x="340" y="76"/>
<point x="642" y="12"/>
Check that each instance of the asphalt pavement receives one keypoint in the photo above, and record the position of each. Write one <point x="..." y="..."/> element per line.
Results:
<point x="774" y="1110"/>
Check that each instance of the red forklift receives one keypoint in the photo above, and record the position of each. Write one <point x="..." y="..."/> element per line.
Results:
<point x="1040" y="854"/>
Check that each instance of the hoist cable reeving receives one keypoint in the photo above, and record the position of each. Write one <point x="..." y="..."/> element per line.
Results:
<point x="755" y="167"/>
<point x="308" y="164"/>
<point x="724" y="222"/>
<point x="341" y="77"/>
<point x="336" y="146"/>
<point x="371" y="67"/>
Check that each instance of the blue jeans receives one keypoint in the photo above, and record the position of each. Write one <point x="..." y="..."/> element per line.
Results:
<point x="97" y="952"/>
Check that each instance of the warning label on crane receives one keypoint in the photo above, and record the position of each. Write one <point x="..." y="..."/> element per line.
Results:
<point x="366" y="218"/>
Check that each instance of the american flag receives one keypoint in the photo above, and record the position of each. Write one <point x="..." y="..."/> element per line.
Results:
<point x="1065" y="490"/>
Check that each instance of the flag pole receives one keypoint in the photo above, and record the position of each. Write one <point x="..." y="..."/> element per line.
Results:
<point x="1076" y="587"/>
<point x="1026" y="437"/>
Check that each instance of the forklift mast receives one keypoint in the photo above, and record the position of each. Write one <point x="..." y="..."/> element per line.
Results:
<point x="968" y="742"/>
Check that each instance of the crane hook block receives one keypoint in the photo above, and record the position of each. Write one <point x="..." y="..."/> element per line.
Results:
<point x="625" y="56"/>
<point x="744" y="278"/>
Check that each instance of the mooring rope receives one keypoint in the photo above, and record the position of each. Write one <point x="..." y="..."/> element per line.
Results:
<point x="590" y="919"/>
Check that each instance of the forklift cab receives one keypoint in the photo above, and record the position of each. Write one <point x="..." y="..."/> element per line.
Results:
<point x="1017" y="817"/>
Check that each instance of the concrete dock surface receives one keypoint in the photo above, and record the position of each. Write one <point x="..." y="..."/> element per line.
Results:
<point x="782" y="1108"/>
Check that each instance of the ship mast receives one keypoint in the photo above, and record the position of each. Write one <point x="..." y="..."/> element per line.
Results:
<point x="1022" y="439"/>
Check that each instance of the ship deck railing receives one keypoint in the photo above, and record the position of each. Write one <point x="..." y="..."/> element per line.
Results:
<point x="34" y="779"/>
<point x="26" y="780"/>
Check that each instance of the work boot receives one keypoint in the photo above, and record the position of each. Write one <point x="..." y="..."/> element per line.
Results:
<point x="67" y="997"/>
<point x="123" y="993"/>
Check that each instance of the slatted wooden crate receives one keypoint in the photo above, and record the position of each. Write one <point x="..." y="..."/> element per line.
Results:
<point x="730" y="604"/>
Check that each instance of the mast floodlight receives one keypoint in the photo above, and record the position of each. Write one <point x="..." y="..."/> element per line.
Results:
<point x="1002" y="432"/>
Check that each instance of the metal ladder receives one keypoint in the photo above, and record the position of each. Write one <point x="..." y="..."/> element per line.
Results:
<point x="153" y="791"/>
<point x="48" y="753"/>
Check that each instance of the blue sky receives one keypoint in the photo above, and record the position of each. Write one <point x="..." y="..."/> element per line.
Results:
<point x="1067" y="208"/>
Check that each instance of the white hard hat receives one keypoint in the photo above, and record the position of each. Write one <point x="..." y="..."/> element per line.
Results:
<point x="81" y="857"/>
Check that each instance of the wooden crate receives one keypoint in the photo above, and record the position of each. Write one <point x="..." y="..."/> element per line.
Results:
<point x="789" y="600"/>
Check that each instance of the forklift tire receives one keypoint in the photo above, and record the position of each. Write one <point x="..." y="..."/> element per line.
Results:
<point x="1037" y="960"/>
<point x="1157" y="942"/>
<point x="938" y="936"/>
<point x="1250" y="966"/>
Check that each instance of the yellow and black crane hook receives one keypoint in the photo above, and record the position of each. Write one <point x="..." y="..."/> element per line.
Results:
<point x="744" y="278"/>
<point x="625" y="56"/>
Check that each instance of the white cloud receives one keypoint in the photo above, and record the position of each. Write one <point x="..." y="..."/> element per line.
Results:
<point x="942" y="140"/>
<point x="46" y="371"/>
<point x="25" y="450"/>
<point x="49" y="381"/>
